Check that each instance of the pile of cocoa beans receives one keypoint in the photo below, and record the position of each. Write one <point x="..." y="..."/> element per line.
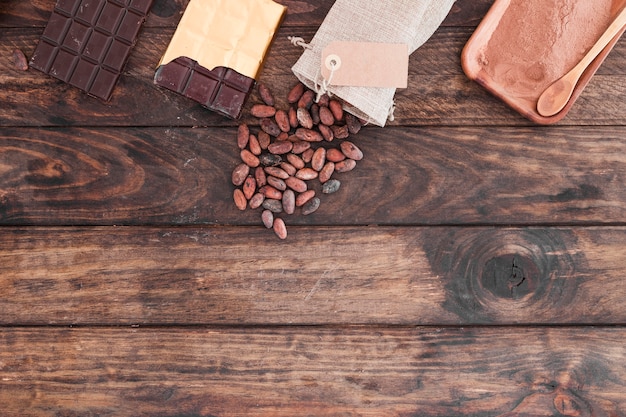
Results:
<point x="291" y="150"/>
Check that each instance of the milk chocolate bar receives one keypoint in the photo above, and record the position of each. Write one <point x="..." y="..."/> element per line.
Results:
<point x="86" y="43"/>
<point x="217" y="52"/>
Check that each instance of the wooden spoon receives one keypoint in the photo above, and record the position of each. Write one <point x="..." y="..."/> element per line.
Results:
<point x="555" y="97"/>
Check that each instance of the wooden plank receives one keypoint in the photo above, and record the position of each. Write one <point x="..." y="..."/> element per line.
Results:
<point x="164" y="13"/>
<point x="312" y="371"/>
<point x="368" y="275"/>
<point x="420" y="176"/>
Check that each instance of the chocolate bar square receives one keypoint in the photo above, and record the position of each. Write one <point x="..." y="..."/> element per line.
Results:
<point x="86" y="43"/>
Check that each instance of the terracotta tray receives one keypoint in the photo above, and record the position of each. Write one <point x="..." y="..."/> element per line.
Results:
<point x="522" y="46"/>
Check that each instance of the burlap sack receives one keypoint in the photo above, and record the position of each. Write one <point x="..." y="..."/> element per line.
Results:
<point x="390" y="21"/>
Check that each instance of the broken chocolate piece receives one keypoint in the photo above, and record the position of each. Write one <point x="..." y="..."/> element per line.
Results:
<point x="86" y="43"/>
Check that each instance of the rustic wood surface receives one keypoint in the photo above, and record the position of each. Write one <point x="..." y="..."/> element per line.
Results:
<point x="472" y="264"/>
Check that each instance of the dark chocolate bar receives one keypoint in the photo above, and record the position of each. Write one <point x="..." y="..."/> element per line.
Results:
<point x="221" y="89"/>
<point x="86" y="43"/>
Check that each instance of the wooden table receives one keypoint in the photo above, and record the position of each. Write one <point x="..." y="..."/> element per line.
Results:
<point x="471" y="265"/>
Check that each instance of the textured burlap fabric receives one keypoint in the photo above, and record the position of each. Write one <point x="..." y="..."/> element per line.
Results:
<point x="389" y="21"/>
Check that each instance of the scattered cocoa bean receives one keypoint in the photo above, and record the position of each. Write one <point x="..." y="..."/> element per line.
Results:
<point x="283" y="136"/>
<point x="327" y="133"/>
<point x="270" y="160"/>
<point x="249" y="187"/>
<point x="307" y="174"/>
<point x="315" y="114"/>
<point x="254" y="145"/>
<point x="351" y="151"/>
<point x="260" y="177"/>
<point x="266" y="95"/>
<point x="277" y="183"/>
<point x="295" y="93"/>
<point x="304" y="118"/>
<point x="264" y="140"/>
<point x="288" y="168"/>
<point x="324" y="100"/>
<point x="273" y="205"/>
<point x="280" y="148"/>
<point x="296" y="184"/>
<point x="307" y="99"/>
<point x="282" y="120"/>
<point x="239" y="174"/>
<point x="334" y="155"/>
<point x="267" y="217"/>
<point x="340" y="132"/>
<point x="19" y="60"/>
<point x="326" y="172"/>
<point x="295" y="160"/>
<point x="331" y="186"/>
<point x="270" y="127"/>
<point x="280" y="228"/>
<point x="270" y="192"/>
<point x="302" y="198"/>
<point x="337" y="109"/>
<point x="289" y="201"/>
<point x="311" y="206"/>
<point x="240" y="200"/>
<point x="249" y="158"/>
<point x="307" y="155"/>
<point x="262" y="110"/>
<point x="309" y="135"/>
<point x="276" y="172"/>
<point x="326" y="116"/>
<point x="319" y="159"/>
<point x="256" y="201"/>
<point x="353" y="123"/>
<point x="293" y="117"/>
<point x="345" y="166"/>
<point x="300" y="146"/>
<point x="243" y="135"/>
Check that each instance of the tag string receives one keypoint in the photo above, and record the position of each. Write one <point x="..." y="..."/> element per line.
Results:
<point x="298" y="41"/>
<point x="322" y="88"/>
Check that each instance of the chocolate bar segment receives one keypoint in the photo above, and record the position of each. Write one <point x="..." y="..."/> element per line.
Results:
<point x="86" y="43"/>
<point x="221" y="89"/>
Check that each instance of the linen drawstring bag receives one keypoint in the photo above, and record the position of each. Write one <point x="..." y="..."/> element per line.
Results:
<point x="411" y="22"/>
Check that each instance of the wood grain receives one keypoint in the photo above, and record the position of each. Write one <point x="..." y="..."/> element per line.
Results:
<point x="422" y="176"/>
<point x="371" y="275"/>
<point x="310" y="371"/>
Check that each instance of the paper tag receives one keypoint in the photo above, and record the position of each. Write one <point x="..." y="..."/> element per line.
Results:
<point x="366" y="64"/>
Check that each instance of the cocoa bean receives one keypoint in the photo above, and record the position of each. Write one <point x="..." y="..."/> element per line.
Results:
<point x="266" y="95"/>
<point x="340" y="132"/>
<point x="282" y="120"/>
<point x="264" y="140"/>
<point x="315" y="113"/>
<point x="249" y="187"/>
<point x="304" y="118"/>
<point x="254" y="145"/>
<point x="295" y="93"/>
<point x="262" y="110"/>
<point x="309" y="135"/>
<point x="331" y="186"/>
<point x="327" y="133"/>
<point x="337" y="109"/>
<point x="351" y="151"/>
<point x="326" y="172"/>
<point x="307" y="99"/>
<point x="353" y="123"/>
<point x="280" y="148"/>
<point x="273" y="205"/>
<point x="249" y="158"/>
<point x="280" y="229"/>
<point x="295" y="160"/>
<point x="307" y="155"/>
<point x="283" y="136"/>
<point x="19" y="60"/>
<point x="289" y="201"/>
<point x="260" y="177"/>
<point x="324" y="100"/>
<point x="239" y="174"/>
<point x="270" y="127"/>
<point x="319" y="159"/>
<point x="302" y="198"/>
<point x="326" y="116"/>
<point x="256" y="201"/>
<point x="288" y="168"/>
<point x="307" y="174"/>
<point x="296" y="184"/>
<point x="270" y="160"/>
<point x="293" y="117"/>
<point x="267" y="217"/>
<point x="277" y="183"/>
<point x="345" y="166"/>
<point x="243" y="135"/>
<point x="300" y="146"/>
<point x="277" y="172"/>
<point x="240" y="200"/>
<point x="334" y="155"/>
<point x="270" y="192"/>
<point x="311" y="206"/>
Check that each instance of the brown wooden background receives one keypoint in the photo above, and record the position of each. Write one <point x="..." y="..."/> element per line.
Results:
<point x="472" y="265"/>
